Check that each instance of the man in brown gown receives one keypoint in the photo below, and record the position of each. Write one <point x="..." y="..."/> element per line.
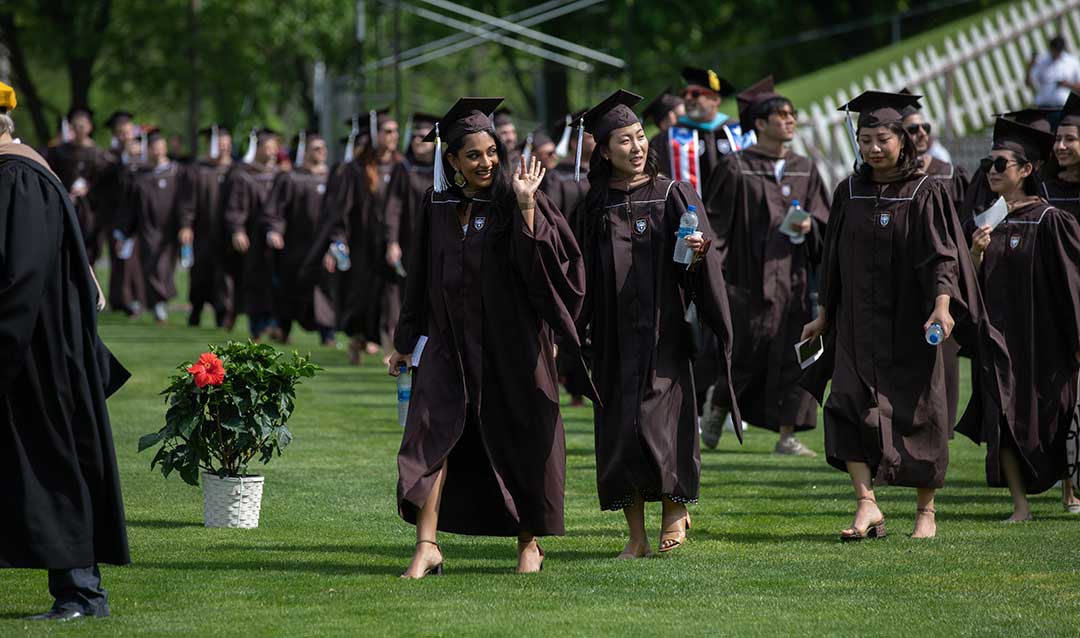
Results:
<point x="201" y="227"/>
<point x="769" y="278"/>
<point x="126" y="286"/>
<point x="152" y="216"/>
<point x="80" y="164"/>
<point x="289" y="220"/>
<point x="248" y="259"/>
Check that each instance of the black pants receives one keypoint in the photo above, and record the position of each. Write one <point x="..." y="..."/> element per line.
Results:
<point x="79" y="589"/>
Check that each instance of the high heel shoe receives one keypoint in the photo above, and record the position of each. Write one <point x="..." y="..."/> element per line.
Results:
<point x="873" y="530"/>
<point x="676" y="541"/>
<point x="435" y="570"/>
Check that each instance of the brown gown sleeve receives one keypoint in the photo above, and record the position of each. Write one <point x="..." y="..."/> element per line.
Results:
<point x="1059" y="251"/>
<point x="397" y="196"/>
<point x="238" y="204"/>
<point x="412" y="322"/>
<point x="272" y="217"/>
<point x="185" y="208"/>
<point x="935" y="247"/>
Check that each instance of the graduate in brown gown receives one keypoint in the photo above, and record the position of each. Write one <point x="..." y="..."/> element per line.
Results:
<point x="954" y="180"/>
<point x="637" y="298"/>
<point x="289" y="221"/>
<point x="894" y="264"/>
<point x="1029" y="269"/>
<point x="201" y="227"/>
<point x="126" y="289"/>
<point x="493" y="276"/>
<point x="665" y="110"/>
<point x="769" y="278"/>
<point x="80" y="164"/>
<point x="248" y="259"/>
<point x="507" y="132"/>
<point x="412" y="177"/>
<point x="152" y="216"/>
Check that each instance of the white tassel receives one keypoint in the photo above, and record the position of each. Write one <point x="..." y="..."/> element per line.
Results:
<point x="215" y="152"/>
<point x="406" y="140"/>
<point x="114" y="143"/>
<point x="527" y="152"/>
<point x="253" y="141"/>
<point x="373" y="126"/>
<point x="65" y="130"/>
<point x="440" y="175"/>
<point x="144" y="148"/>
<point x="301" y="146"/>
<point x="563" y="149"/>
<point x="350" y="146"/>
<point x="577" y="155"/>
<point x="852" y="140"/>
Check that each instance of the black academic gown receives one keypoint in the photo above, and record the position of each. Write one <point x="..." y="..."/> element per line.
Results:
<point x="646" y="425"/>
<point x="61" y="497"/>
<point x="152" y="216"/>
<point x="202" y="213"/>
<point x="1030" y="277"/>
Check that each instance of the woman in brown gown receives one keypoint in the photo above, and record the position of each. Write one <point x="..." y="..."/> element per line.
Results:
<point x="637" y="299"/>
<point x="494" y="275"/>
<point x="1029" y="270"/>
<point x="891" y="269"/>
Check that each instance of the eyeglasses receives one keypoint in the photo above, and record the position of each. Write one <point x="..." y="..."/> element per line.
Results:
<point x="999" y="164"/>
<point x="913" y="129"/>
<point x="690" y="94"/>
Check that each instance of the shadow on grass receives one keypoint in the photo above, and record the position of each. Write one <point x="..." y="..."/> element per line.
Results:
<point x="404" y="551"/>
<point x="292" y="566"/>
<point x="162" y="524"/>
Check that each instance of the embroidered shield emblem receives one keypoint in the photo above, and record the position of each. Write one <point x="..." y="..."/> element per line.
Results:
<point x="785" y="190"/>
<point x="1014" y="241"/>
<point x="321" y="188"/>
<point x="161" y="183"/>
<point x="478" y="223"/>
<point x="640" y="226"/>
<point x="884" y="219"/>
<point x="723" y="146"/>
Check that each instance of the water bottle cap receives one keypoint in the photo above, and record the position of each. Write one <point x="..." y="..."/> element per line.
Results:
<point x="794" y="202"/>
<point x="691" y="208"/>
<point x="403" y="367"/>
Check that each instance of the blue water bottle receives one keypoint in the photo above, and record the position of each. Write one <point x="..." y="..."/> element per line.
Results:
<point x="340" y="253"/>
<point x="187" y="256"/>
<point x="404" y="393"/>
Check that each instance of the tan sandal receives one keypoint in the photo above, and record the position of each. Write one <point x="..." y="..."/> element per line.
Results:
<point x="673" y="543"/>
<point x="873" y="530"/>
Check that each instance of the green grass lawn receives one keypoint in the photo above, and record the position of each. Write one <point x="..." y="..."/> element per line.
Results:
<point x="762" y="559"/>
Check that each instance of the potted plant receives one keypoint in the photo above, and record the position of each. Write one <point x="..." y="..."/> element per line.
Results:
<point x="226" y="409"/>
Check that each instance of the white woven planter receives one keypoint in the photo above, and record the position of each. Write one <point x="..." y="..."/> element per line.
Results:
<point x="231" y="502"/>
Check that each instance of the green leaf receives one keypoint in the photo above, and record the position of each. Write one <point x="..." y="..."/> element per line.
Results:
<point x="234" y="424"/>
<point x="150" y="440"/>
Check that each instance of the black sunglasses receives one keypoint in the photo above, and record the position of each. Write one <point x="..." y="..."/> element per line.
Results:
<point x="999" y="164"/>
<point x="913" y="129"/>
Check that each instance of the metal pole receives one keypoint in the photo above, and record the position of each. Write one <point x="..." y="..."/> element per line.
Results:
<point x="398" y="106"/>
<point x="193" y="93"/>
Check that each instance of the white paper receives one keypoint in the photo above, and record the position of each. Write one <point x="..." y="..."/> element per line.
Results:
<point x="418" y="351"/>
<point x="994" y="215"/>
<point x="807" y="362"/>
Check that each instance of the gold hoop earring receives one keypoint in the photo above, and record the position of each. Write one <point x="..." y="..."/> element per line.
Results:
<point x="459" y="179"/>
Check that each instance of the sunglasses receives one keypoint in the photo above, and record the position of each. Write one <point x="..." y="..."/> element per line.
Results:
<point x="913" y="129"/>
<point x="999" y="164"/>
<point x="690" y="94"/>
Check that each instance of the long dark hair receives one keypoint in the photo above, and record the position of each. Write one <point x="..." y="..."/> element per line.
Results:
<point x="1032" y="184"/>
<point x="501" y="191"/>
<point x="908" y="163"/>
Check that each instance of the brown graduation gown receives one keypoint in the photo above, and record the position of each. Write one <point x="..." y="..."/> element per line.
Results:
<point x="126" y="285"/>
<point x="485" y="396"/>
<point x="645" y="423"/>
<point x="248" y="187"/>
<point x="70" y="162"/>
<point x="769" y="280"/>
<point x="977" y="197"/>
<point x="409" y="181"/>
<point x="891" y="250"/>
<point x="1030" y="277"/>
<point x="1062" y="194"/>
<point x="153" y="218"/>
<point x="293" y="209"/>
<point x="202" y="213"/>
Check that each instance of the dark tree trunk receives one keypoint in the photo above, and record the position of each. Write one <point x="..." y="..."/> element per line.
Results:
<point x="555" y="91"/>
<point x="28" y="93"/>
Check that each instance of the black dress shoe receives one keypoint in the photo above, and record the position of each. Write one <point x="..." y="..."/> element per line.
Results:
<point x="59" y="615"/>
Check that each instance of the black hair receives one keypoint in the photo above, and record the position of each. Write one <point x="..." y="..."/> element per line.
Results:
<point x="1057" y="43"/>
<point x="908" y="163"/>
<point x="501" y="191"/>
<point x="1032" y="184"/>
<point x="768" y="107"/>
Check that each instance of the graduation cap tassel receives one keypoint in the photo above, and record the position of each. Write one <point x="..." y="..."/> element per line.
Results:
<point x="253" y="141"/>
<point x="373" y="125"/>
<point x="215" y="153"/>
<point x="527" y="152"/>
<point x="851" y="138"/>
<point x="406" y="140"/>
<point x="114" y="143"/>
<point x="577" y="155"/>
<point x="144" y="147"/>
<point x="440" y="174"/>
<point x="65" y="130"/>
<point x="563" y="149"/>
<point x="350" y="145"/>
<point x="301" y="146"/>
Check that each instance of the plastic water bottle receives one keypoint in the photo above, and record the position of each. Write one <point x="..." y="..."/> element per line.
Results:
<point x="404" y="393"/>
<point x="187" y="256"/>
<point x="687" y="227"/>
<point x="399" y="269"/>
<point x="935" y="334"/>
<point x="795" y="210"/>
<point x="341" y="255"/>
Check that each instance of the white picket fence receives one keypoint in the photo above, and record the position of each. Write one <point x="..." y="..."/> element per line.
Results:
<point x="976" y="73"/>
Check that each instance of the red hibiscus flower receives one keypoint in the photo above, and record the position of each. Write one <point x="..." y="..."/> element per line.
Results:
<point x="208" y="370"/>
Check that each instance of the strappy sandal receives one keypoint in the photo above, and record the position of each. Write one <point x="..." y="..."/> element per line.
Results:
<point x="919" y="511"/>
<point x="435" y="570"/>
<point x="539" y="569"/>
<point x="648" y="553"/>
<point x="873" y="530"/>
<point x="669" y="544"/>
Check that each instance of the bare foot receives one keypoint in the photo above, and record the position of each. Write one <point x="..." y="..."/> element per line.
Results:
<point x="925" y="524"/>
<point x="1019" y="515"/>
<point x="427" y="558"/>
<point x="530" y="557"/>
<point x="636" y="549"/>
<point x="371" y="348"/>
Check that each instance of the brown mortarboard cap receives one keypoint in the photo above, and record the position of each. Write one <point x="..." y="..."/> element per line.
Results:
<point x="7" y="98"/>
<point x="540" y="138"/>
<point x="265" y="133"/>
<point x="468" y="115"/>
<point x="751" y="98"/>
<point x="708" y="79"/>
<point x="423" y="120"/>
<point x="878" y="108"/>
<point x="1070" y="113"/>
<point x="117" y="118"/>
<point x="661" y="105"/>
<point x="1027" y="141"/>
<point x="616" y="111"/>
<point x="910" y="109"/>
<point x="1035" y="118"/>
<point x="152" y="134"/>
<point x="504" y="116"/>
<point x="209" y="131"/>
<point x="77" y="110"/>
